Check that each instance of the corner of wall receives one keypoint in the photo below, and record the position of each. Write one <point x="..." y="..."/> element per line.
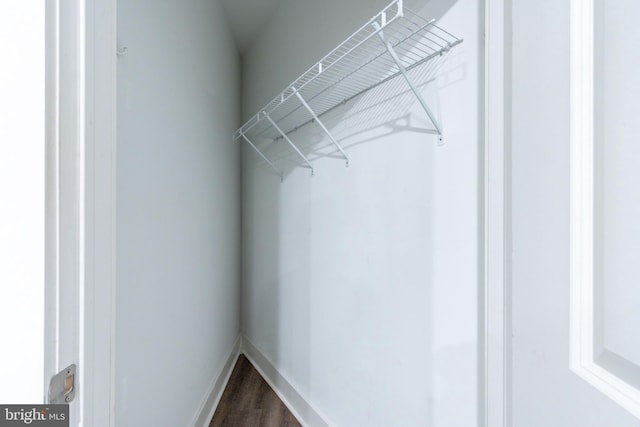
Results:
<point x="297" y="404"/>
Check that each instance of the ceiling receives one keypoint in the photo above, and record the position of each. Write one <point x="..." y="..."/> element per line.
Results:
<point x="247" y="18"/>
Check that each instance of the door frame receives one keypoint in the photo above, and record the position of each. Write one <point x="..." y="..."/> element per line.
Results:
<point x="496" y="319"/>
<point x="80" y="134"/>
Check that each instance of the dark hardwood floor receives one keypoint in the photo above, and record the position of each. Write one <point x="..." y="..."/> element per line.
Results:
<point x="248" y="401"/>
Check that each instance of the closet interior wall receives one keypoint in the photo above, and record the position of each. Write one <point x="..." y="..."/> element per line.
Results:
<point x="178" y="209"/>
<point x="361" y="285"/>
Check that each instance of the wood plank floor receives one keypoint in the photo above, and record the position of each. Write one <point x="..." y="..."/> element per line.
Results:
<point x="248" y="401"/>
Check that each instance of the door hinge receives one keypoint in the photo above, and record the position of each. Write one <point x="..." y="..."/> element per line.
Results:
<point x="62" y="388"/>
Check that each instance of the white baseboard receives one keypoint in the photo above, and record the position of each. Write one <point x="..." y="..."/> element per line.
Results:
<point x="210" y="402"/>
<point x="298" y="405"/>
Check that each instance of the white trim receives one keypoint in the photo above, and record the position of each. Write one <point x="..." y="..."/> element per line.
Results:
<point x="80" y="202"/>
<point x="496" y="218"/>
<point x="297" y="404"/>
<point x="63" y="246"/>
<point x="582" y="310"/>
<point x="581" y="185"/>
<point x="51" y="194"/>
<point x="97" y="321"/>
<point x="207" y="408"/>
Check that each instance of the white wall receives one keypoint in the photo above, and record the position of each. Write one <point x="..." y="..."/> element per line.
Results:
<point x="22" y="203"/>
<point x="360" y="284"/>
<point x="177" y="208"/>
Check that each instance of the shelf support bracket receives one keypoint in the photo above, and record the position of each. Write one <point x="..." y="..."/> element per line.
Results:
<point x="286" y="138"/>
<point x="324" y="128"/>
<point x="263" y="156"/>
<point x="413" y="87"/>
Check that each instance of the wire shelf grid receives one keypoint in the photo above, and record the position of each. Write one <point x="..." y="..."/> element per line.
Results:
<point x="393" y="42"/>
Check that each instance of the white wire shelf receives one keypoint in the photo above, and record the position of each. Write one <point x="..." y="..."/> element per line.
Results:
<point x="393" y="42"/>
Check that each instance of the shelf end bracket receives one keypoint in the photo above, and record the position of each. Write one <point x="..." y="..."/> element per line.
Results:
<point x="286" y="138"/>
<point x="413" y="87"/>
<point x="324" y="128"/>
<point x="262" y="155"/>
